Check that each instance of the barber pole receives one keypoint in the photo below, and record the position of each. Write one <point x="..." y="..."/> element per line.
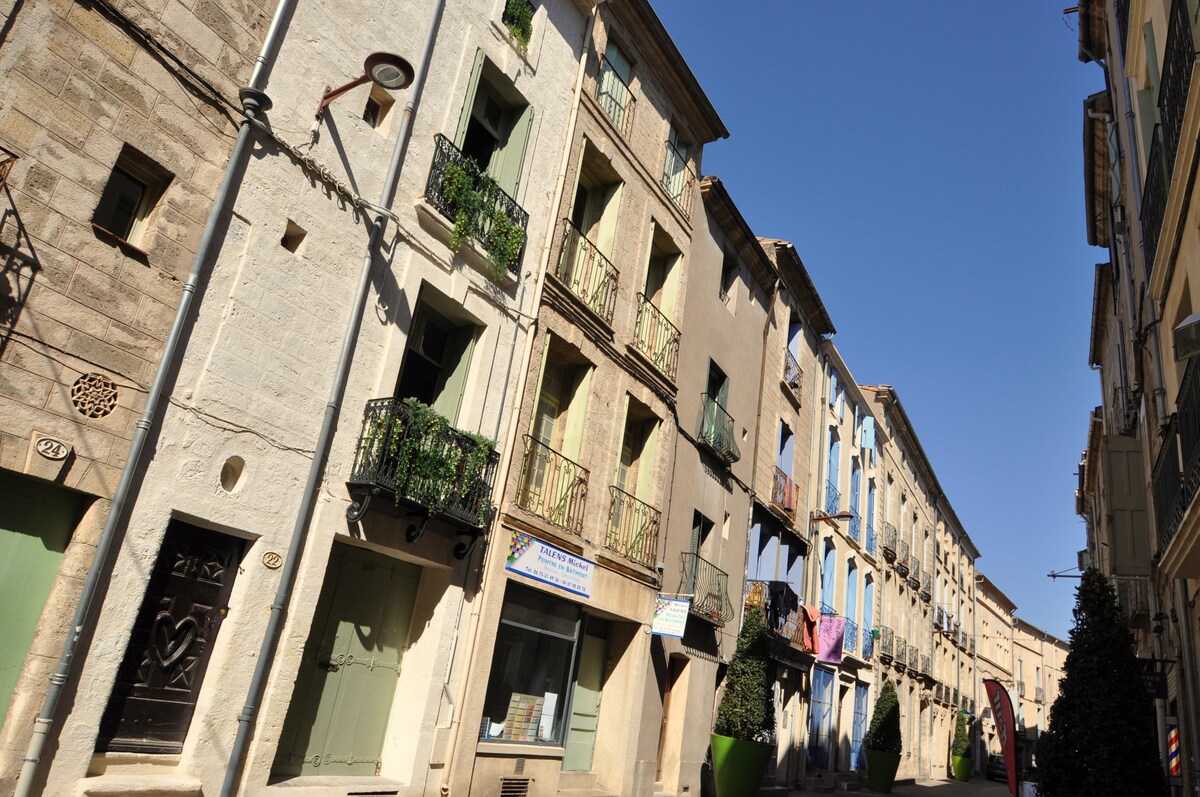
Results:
<point x="1173" y="749"/>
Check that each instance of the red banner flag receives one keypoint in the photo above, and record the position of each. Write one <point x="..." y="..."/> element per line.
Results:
<point x="1006" y="727"/>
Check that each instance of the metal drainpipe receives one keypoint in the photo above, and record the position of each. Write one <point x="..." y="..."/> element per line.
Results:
<point x="254" y="101"/>
<point x="812" y="538"/>
<point x="292" y="562"/>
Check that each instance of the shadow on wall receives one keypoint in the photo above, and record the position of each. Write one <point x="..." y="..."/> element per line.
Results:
<point x="18" y="262"/>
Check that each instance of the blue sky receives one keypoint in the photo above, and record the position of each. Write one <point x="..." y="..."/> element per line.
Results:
<point x="925" y="158"/>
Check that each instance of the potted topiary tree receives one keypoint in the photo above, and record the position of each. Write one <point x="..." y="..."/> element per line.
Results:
<point x="960" y="751"/>
<point x="883" y="744"/>
<point x="743" y="737"/>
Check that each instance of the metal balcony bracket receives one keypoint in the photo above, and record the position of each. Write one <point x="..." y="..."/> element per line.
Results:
<point x="415" y="531"/>
<point x="464" y="547"/>
<point x="357" y="509"/>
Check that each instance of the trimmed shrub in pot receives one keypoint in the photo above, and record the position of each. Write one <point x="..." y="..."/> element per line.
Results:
<point x="960" y="751"/>
<point x="883" y="743"/>
<point x="743" y="737"/>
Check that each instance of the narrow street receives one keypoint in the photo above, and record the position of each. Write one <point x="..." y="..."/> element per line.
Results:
<point x="938" y="788"/>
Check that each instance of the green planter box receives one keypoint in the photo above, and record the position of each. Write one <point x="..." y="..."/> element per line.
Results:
<point x="881" y="770"/>
<point x="739" y="767"/>
<point x="961" y="767"/>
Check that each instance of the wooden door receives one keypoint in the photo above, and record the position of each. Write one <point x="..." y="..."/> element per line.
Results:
<point x="585" y="705"/>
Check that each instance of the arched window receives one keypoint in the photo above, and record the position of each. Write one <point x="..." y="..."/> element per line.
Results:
<point x="828" y="577"/>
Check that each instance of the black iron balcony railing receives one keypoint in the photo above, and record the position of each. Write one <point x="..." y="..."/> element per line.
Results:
<point x="632" y="528"/>
<point x="901" y="563"/>
<point x="889" y="541"/>
<point x="1039" y="694"/>
<point x="615" y="97"/>
<point x="788" y="625"/>
<point x="868" y="644"/>
<point x="832" y="498"/>
<point x="477" y="205"/>
<point x="872" y="540"/>
<point x="1178" y="59"/>
<point x="887" y="642"/>
<point x="656" y="337"/>
<point x="914" y="571"/>
<point x="924" y="668"/>
<point x="954" y="696"/>
<point x="783" y="493"/>
<point x="855" y="527"/>
<point x="407" y="450"/>
<point x="709" y="587"/>
<point x="1167" y="479"/>
<point x="914" y="658"/>
<point x="552" y="486"/>
<point x="1133" y="597"/>
<point x="939" y="617"/>
<point x="939" y="691"/>
<point x="1187" y="406"/>
<point x="587" y="272"/>
<point x="927" y="586"/>
<point x="901" y="652"/>
<point x="792" y="373"/>
<point x="716" y="430"/>
<point x="678" y="178"/>
<point x="826" y="610"/>
<point x="1154" y="199"/>
<point x="850" y="637"/>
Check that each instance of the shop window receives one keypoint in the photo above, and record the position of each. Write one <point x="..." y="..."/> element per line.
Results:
<point x="527" y="692"/>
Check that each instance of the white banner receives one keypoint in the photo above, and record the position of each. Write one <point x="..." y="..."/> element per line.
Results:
<point x="670" y="616"/>
<point x="543" y="562"/>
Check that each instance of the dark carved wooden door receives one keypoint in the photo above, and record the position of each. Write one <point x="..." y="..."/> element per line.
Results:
<point x="160" y="677"/>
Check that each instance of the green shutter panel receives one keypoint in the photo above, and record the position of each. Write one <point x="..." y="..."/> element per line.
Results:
<point x="469" y="100"/>
<point x="511" y="153"/>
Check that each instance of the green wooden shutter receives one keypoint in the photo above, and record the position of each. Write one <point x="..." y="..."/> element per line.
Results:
<point x="511" y="153"/>
<point x="464" y="116"/>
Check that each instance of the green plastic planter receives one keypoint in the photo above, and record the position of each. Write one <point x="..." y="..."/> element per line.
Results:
<point x="881" y="770"/>
<point x="961" y="767"/>
<point x="739" y="767"/>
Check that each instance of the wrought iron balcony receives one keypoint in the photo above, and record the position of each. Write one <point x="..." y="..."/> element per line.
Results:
<point x="783" y="493"/>
<point x="927" y="586"/>
<point x="415" y="456"/>
<point x="1187" y="407"/>
<point x="787" y="625"/>
<point x="914" y="658"/>
<point x="1133" y="596"/>
<point x="1154" y="198"/>
<point x="889" y="541"/>
<point x="924" y="668"/>
<point x="552" y="486"/>
<point x="793" y="374"/>
<point x="586" y="272"/>
<point x="716" y="430"/>
<point x="678" y="178"/>
<point x="656" y="337"/>
<point x="709" y="587"/>
<point x="474" y="201"/>
<point x="827" y="610"/>
<point x="954" y="695"/>
<point x="868" y="645"/>
<point x="632" y="528"/>
<point x="914" y="571"/>
<point x="855" y="527"/>
<point x="901" y="652"/>
<point x="939" y="617"/>
<point x="887" y="642"/>
<point x="832" y="498"/>
<point x="1167" y="480"/>
<point x="938" y="691"/>
<point x="1176" y="80"/>
<point x="901" y="564"/>
<point x="8" y="159"/>
<point x="615" y="97"/>
<point x="1039" y="694"/>
<point x="850" y="638"/>
<point x="872" y="541"/>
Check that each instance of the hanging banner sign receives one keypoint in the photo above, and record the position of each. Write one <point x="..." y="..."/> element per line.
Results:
<point x="670" y="616"/>
<point x="543" y="562"/>
<point x="833" y="634"/>
<point x="1006" y="728"/>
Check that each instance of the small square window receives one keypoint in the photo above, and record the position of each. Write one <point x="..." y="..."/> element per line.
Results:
<point x="379" y="105"/>
<point x="133" y="190"/>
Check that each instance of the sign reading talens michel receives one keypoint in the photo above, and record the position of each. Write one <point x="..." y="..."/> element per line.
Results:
<point x="541" y="561"/>
<point x="670" y="616"/>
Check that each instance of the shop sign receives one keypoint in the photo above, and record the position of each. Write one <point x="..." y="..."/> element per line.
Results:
<point x="670" y="616"/>
<point x="543" y="562"/>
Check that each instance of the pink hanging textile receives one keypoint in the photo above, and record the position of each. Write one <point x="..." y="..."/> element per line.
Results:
<point x="811" y="616"/>
<point x="833" y="631"/>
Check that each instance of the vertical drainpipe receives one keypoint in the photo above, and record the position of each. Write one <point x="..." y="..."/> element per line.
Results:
<point x="254" y="102"/>
<point x="291" y="564"/>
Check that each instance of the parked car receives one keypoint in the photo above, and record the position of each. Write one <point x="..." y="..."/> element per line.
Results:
<point x="996" y="769"/>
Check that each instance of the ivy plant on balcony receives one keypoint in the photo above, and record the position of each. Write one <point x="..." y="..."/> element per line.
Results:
<point x="518" y="18"/>
<point x="432" y="466"/>
<point x="466" y="190"/>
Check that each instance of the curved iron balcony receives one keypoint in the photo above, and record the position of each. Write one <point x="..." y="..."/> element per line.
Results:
<point x="615" y="97"/>
<point x="415" y="456"/>
<point x="586" y="271"/>
<point x="872" y="541"/>
<point x="887" y="642"/>
<point x="889" y="541"/>
<point x="716" y="430"/>
<point x="493" y="202"/>
<point x="832" y="498"/>
<point x="927" y="586"/>
<point x="793" y="374"/>
<point x="901" y="652"/>
<point x="783" y="493"/>
<point x="914" y="571"/>
<point x="678" y="179"/>
<point x="552" y="486"/>
<point x="709" y="587"/>
<point x="632" y="528"/>
<point x="868" y="644"/>
<point x="850" y="638"/>
<point x="656" y="337"/>
<point x="855" y="527"/>
<point x="901" y="563"/>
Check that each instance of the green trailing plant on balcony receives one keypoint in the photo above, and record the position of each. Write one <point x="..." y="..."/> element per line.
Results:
<point x="504" y="242"/>
<point x="466" y="194"/>
<point x="463" y="200"/>
<point x="518" y="18"/>
<point x="431" y="463"/>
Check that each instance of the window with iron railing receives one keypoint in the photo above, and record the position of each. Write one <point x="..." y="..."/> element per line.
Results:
<point x="552" y="486"/>
<point x="783" y="493"/>
<point x="709" y="587"/>
<point x="656" y="337"/>
<point x="632" y="528"/>
<point x="612" y="88"/>
<point x="678" y="178"/>
<point x="587" y="272"/>
<point x="717" y="430"/>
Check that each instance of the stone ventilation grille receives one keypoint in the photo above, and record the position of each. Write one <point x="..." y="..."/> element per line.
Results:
<point x="94" y="395"/>
<point x="514" y="787"/>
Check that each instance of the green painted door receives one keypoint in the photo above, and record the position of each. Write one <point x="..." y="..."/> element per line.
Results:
<point x="348" y="674"/>
<point x="585" y="706"/>
<point x="36" y="522"/>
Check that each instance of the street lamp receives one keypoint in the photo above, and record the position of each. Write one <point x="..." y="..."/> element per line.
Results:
<point x="386" y="70"/>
